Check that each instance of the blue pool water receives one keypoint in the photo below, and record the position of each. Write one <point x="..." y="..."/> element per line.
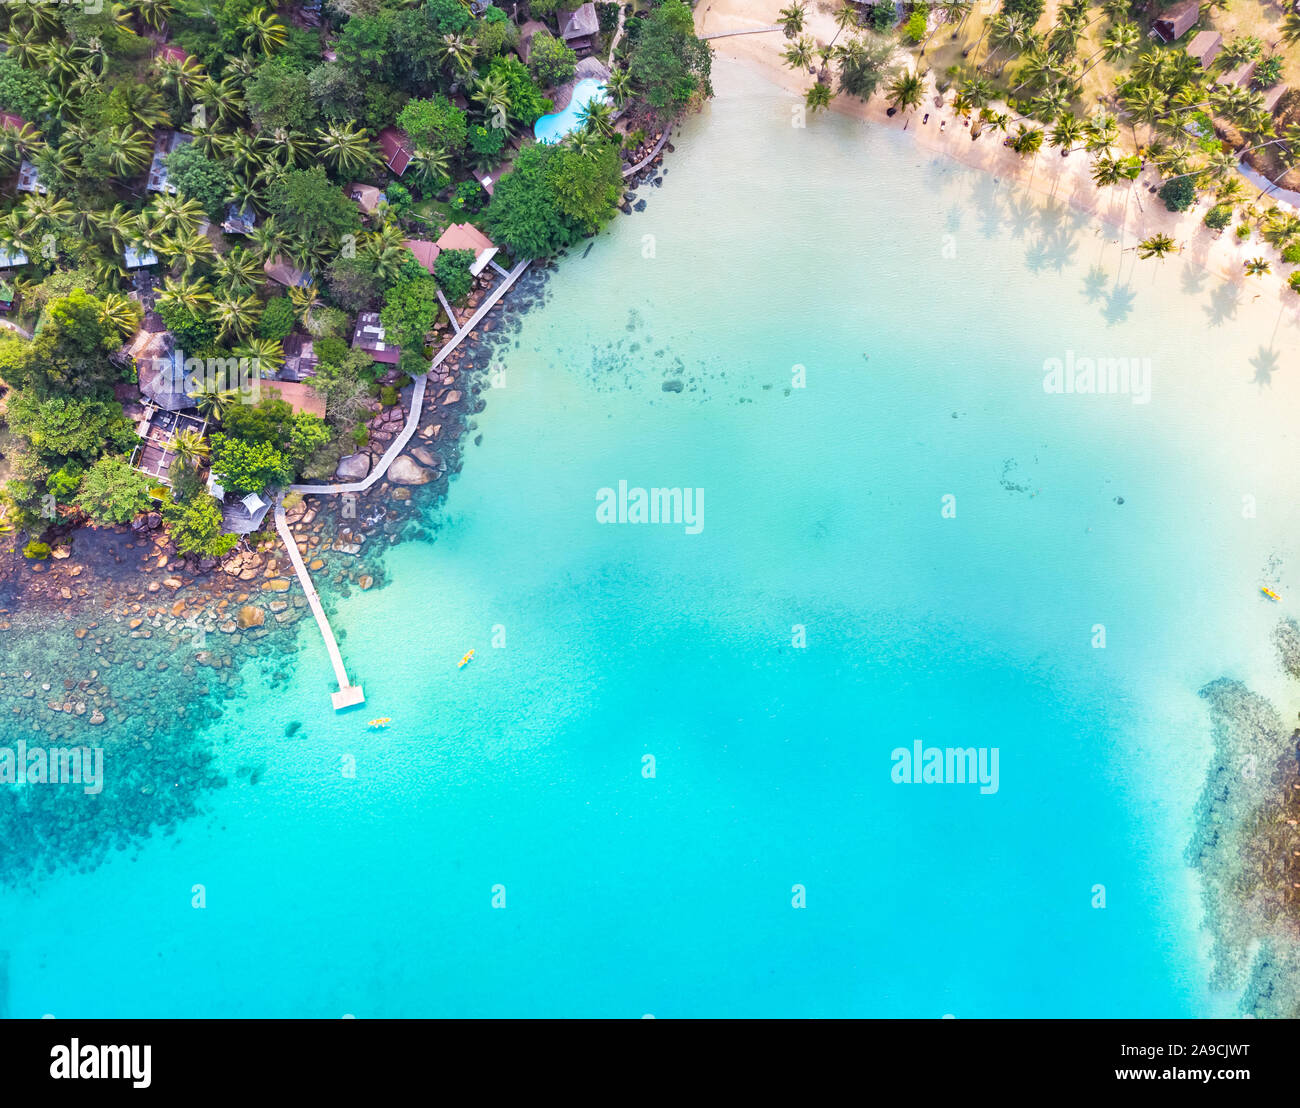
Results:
<point x="827" y="613"/>
<point x="552" y="128"/>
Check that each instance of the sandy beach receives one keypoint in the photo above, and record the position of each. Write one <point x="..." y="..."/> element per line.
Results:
<point x="1133" y="211"/>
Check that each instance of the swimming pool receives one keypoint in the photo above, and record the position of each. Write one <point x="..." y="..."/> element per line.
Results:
<point x="552" y="128"/>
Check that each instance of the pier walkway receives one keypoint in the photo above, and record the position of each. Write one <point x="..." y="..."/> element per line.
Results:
<point x="348" y="693"/>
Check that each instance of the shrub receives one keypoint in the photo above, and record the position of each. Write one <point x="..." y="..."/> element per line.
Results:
<point x="470" y="196"/>
<point x="1243" y="231"/>
<point x="486" y="142"/>
<point x="277" y="319"/>
<point x="360" y="435"/>
<point x="881" y="17"/>
<point x="1294" y="281"/>
<point x="1178" y="193"/>
<point x="403" y="381"/>
<point x="388" y="396"/>
<point x="1218" y="217"/>
<point x="1291" y="253"/>
<point x="36" y="550"/>
<point x="914" y="28"/>
<point x="451" y="271"/>
<point x="551" y="61"/>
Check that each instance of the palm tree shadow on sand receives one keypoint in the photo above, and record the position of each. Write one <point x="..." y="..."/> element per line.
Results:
<point x="1094" y="284"/>
<point x="1118" y="303"/>
<point x="1224" y="301"/>
<point x="1265" y="362"/>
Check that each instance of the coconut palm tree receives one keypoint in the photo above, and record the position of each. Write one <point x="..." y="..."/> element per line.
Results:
<point x="120" y="313"/>
<point x="267" y="238"/>
<point x="818" y="97"/>
<point x="188" y="249"/>
<point x="153" y="13"/>
<point x="189" y="447"/>
<point x="193" y="295"/>
<point x="790" y="19"/>
<point x="385" y="251"/>
<point x="458" y="53"/>
<point x="432" y="166"/>
<point x="263" y="32"/>
<point x="176" y="213"/>
<point x="345" y="148"/>
<point x="906" y="91"/>
<point x="289" y="149"/>
<point x="799" y="55"/>
<point x="128" y="150"/>
<point x="1145" y="104"/>
<point x="213" y="401"/>
<point x="619" y="86"/>
<point x="845" y="17"/>
<point x="143" y="105"/>
<point x="266" y="354"/>
<point x="239" y="268"/>
<point x="1068" y="133"/>
<point x="304" y="299"/>
<point x="17" y="143"/>
<point x="492" y="95"/>
<point x="1257" y="267"/>
<point x="1102" y="131"/>
<point x="1158" y="246"/>
<point x="597" y="119"/>
<point x="1026" y="140"/>
<point x="1108" y="170"/>
<point x="183" y="77"/>
<point x="235" y="312"/>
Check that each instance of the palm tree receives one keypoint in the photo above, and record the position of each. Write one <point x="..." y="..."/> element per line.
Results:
<point x="1026" y="140"/>
<point x="143" y="105"/>
<point x="188" y="446"/>
<point x="906" y="91"/>
<point x="175" y="213"/>
<point x="267" y="238"/>
<point x="192" y="295"/>
<point x="619" y="86"/>
<point x="845" y="17"/>
<point x="345" y="148"/>
<point x="120" y="313"/>
<point x="128" y="150"/>
<point x="597" y="119"/>
<point x="1157" y="246"/>
<point x="818" y="97"/>
<point x="183" y="77"/>
<point x="1069" y="131"/>
<point x="153" y="12"/>
<point x="492" y="94"/>
<point x="1102" y="131"/>
<point x="235" y="312"/>
<point x="791" y="19"/>
<point x="263" y="31"/>
<point x="799" y="55"/>
<point x="239" y="268"/>
<point x="304" y="298"/>
<point x="432" y="166"/>
<point x="266" y="354"/>
<point x="190" y="249"/>
<point x="1145" y="104"/>
<point x="1108" y="170"/>
<point x="1257" y="267"/>
<point x="1120" y="41"/>
<point x="385" y="251"/>
<point x="458" y="52"/>
<point x="213" y="401"/>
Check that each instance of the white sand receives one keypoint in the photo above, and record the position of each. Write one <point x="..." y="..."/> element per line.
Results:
<point x="1133" y="210"/>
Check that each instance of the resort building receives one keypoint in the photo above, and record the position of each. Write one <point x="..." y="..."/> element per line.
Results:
<point x="8" y="297"/>
<point x="1205" y="47"/>
<point x="28" y="179"/>
<point x="282" y="273"/>
<point x="1176" y="21"/>
<point x="579" y="28"/>
<point x="366" y="197"/>
<point x="396" y="149"/>
<point x="134" y="257"/>
<point x="11" y="256"/>
<point x="369" y="336"/>
<point x="1241" y="75"/>
<point x="170" y="140"/>
<point x="241" y="515"/>
<point x="299" y="357"/>
<point x="465" y="236"/>
<point x="239" y="221"/>
<point x="426" y="252"/>
<point x="1272" y="96"/>
<point x="526" y="33"/>
<point x="171" y="53"/>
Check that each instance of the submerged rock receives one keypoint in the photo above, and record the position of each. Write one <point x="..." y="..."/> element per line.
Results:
<point x="407" y="471"/>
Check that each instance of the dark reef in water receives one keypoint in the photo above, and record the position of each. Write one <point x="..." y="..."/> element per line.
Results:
<point x="1246" y="845"/>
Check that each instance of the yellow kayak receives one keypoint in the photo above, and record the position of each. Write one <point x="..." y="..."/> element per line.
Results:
<point x="465" y="660"/>
<point x="377" y="723"/>
<point x="1269" y="593"/>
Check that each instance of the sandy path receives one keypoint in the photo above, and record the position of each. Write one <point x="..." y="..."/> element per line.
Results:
<point x="1135" y="212"/>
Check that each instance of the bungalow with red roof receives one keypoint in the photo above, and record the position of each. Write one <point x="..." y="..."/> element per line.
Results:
<point x="426" y="252"/>
<point x="465" y="236"/>
<point x="396" y="149"/>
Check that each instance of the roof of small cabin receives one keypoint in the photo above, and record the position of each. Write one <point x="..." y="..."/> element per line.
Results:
<point x="1205" y="46"/>
<point x="526" y="33"/>
<point x="300" y="397"/>
<point x="8" y="119"/>
<point x="173" y="53"/>
<point x="580" y="22"/>
<point x="1179" y="18"/>
<point x="366" y="197"/>
<point x="283" y="273"/>
<point x="1241" y="75"/>
<point x="426" y="252"/>
<point x="368" y="335"/>
<point x="1272" y="96"/>
<point x="464" y="236"/>
<point x="397" y="149"/>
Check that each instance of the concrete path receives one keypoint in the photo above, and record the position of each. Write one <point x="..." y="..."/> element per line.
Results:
<point x="483" y="309"/>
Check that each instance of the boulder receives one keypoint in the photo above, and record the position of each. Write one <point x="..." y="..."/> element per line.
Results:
<point x="353" y="467"/>
<point x="250" y="616"/>
<point x="407" y="471"/>
<point x="427" y="457"/>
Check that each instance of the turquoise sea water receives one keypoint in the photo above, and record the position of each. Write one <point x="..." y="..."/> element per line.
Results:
<point x="922" y="301"/>
<point x="553" y="127"/>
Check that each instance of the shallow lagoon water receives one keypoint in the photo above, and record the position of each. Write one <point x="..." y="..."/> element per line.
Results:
<point x="921" y="302"/>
